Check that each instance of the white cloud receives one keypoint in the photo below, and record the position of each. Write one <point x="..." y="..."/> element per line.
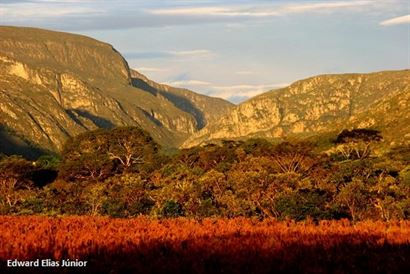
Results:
<point x="226" y="91"/>
<point x="110" y="14"/>
<point x="196" y="52"/>
<point x="180" y="54"/>
<point x="266" y="11"/>
<point x="31" y="10"/>
<point x="184" y="83"/>
<point x="190" y="11"/>
<point x="150" y="69"/>
<point x="396" y="21"/>
<point x="236" y="93"/>
<point x="245" y="90"/>
<point x="300" y="8"/>
<point x="213" y="11"/>
<point x="68" y="1"/>
<point x="64" y="1"/>
<point x="245" y="72"/>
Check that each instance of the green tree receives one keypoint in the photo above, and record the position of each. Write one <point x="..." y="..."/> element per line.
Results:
<point x="100" y="154"/>
<point x="296" y="158"/>
<point x="131" y="147"/>
<point x="356" y="197"/>
<point x="15" y="183"/>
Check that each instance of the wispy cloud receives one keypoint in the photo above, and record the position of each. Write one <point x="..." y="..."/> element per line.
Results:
<point x="245" y="72"/>
<point x="21" y="11"/>
<point x="150" y="69"/>
<point x="396" y="21"/>
<point x="265" y="11"/>
<point x="196" y="53"/>
<point x="214" y="11"/>
<point x="300" y="8"/>
<point x="110" y="14"/>
<point x="245" y="90"/>
<point x="187" y="83"/>
<point x="234" y="93"/>
<point x="65" y="1"/>
<point x="240" y="93"/>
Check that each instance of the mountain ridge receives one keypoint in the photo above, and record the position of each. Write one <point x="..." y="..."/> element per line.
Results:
<point x="320" y="103"/>
<point x="55" y="85"/>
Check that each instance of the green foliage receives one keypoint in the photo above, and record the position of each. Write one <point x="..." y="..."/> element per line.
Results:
<point x="303" y="204"/>
<point x="113" y="208"/>
<point x="85" y="157"/>
<point x="356" y="197"/>
<point x="400" y="153"/>
<point x="98" y="155"/>
<point x="357" y="135"/>
<point x="48" y="162"/>
<point x="405" y="175"/>
<point x="172" y="209"/>
<point x="254" y="178"/>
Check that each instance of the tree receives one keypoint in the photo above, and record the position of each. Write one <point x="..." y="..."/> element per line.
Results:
<point x="293" y="158"/>
<point x="367" y="135"/>
<point x="356" y="144"/>
<point x="355" y="196"/>
<point x="93" y="195"/>
<point x="85" y="157"/>
<point x="14" y="180"/>
<point x="130" y="147"/>
<point x="303" y="204"/>
<point x="100" y="154"/>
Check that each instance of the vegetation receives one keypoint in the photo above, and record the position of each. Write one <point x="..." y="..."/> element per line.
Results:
<point x="123" y="173"/>
<point x="215" y="245"/>
<point x="322" y="204"/>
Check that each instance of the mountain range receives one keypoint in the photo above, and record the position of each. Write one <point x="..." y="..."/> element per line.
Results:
<point x="56" y="85"/>
<point x="325" y="103"/>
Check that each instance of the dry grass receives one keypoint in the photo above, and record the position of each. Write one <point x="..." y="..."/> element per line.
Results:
<point x="239" y="245"/>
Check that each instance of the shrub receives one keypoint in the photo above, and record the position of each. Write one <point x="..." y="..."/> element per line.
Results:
<point x="172" y="209"/>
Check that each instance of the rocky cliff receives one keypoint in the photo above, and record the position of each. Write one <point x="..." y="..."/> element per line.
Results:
<point x="56" y="85"/>
<point x="204" y="109"/>
<point x="320" y="104"/>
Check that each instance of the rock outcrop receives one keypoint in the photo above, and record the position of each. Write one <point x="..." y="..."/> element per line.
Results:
<point x="319" y="104"/>
<point x="56" y="85"/>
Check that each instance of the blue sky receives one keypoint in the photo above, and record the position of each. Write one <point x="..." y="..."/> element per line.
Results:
<point x="233" y="49"/>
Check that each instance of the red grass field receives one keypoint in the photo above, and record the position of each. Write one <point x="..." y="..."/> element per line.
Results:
<point x="241" y="245"/>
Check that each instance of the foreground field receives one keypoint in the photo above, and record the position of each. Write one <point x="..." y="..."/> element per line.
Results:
<point x="143" y="245"/>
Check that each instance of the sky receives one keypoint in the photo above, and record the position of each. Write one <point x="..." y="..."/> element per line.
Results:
<point x="233" y="49"/>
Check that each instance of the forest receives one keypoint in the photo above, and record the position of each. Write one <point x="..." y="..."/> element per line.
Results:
<point x="123" y="172"/>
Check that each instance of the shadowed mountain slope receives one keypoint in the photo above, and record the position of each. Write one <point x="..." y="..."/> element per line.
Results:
<point x="56" y="85"/>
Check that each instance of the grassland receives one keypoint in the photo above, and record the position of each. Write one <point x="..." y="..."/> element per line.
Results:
<point x="240" y="245"/>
